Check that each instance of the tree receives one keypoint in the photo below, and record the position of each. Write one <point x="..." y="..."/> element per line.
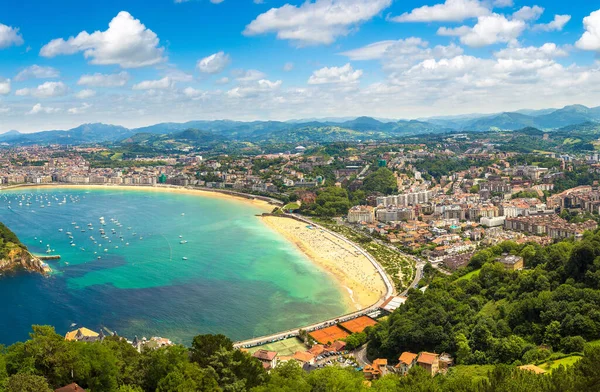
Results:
<point x="156" y="364"/>
<point x="189" y="377"/>
<point x="336" y="379"/>
<point x="356" y="340"/>
<point x="572" y="344"/>
<point x="463" y="350"/>
<point x="382" y="181"/>
<point x="27" y="383"/>
<point x="287" y="377"/>
<point x="552" y="335"/>
<point x="331" y="201"/>
<point x="205" y="346"/>
<point x="582" y="257"/>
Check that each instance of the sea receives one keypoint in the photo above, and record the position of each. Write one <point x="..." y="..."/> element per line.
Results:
<point x="146" y="263"/>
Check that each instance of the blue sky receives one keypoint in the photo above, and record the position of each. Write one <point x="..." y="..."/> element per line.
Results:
<point x="133" y="62"/>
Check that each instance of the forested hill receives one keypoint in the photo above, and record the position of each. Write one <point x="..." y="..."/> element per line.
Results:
<point x="13" y="253"/>
<point x="493" y="315"/>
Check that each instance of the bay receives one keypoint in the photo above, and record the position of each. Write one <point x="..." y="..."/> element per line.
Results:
<point x="171" y="265"/>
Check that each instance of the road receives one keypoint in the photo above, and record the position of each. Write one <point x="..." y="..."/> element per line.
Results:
<point x="360" y="354"/>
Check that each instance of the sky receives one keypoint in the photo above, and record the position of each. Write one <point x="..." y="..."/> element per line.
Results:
<point x="141" y="62"/>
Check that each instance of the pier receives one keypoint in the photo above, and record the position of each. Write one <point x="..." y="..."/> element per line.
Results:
<point x="52" y="257"/>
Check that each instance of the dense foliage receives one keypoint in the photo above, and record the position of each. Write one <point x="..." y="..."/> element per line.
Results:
<point x="444" y="166"/>
<point x="8" y="240"/>
<point x="331" y="201"/>
<point x="501" y="316"/>
<point x="48" y="360"/>
<point x="583" y="376"/>
<point x="382" y="180"/>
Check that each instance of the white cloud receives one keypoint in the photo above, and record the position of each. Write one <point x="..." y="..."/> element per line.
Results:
<point x="4" y="86"/>
<point x="375" y="50"/>
<point x="503" y="3"/>
<point x="37" y="72"/>
<point x="546" y="51"/>
<point x="104" y="80"/>
<point x="223" y="80"/>
<point x="557" y="23"/>
<point x="38" y="108"/>
<point x="192" y="92"/>
<point x="250" y="75"/>
<point x="287" y="67"/>
<point x="403" y="53"/>
<point x="590" y="40"/>
<point x="9" y="36"/>
<point x="79" y="110"/>
<point x="257" y="88"/>
<point x="179" y="76"/>
<point x="213" y="64"/>
<point x="449" y="11"/>
<point x="488" y="30"/>
<point x="160" y="84"/>
<point x="127" y="42"/>
<point x="316" y="22"/>
<point x="529" y="13"/>
<point x="85" y="94"/>
<point x="335" y="75"/>
<point x="45" y="90"/>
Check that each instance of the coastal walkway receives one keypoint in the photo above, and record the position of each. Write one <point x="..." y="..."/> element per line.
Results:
<point x="390" y="291"/>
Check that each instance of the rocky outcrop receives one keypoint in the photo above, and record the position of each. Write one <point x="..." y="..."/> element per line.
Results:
<point x="21" y="258"/>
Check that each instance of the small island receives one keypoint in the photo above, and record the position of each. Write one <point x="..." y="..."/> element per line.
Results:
<point x="14" y="255"/>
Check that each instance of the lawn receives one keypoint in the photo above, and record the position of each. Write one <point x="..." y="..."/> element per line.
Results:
<point x="594" y="342"/>
<point x="469" y="275"/>
<point x="567" y="361"/>
<point x="474" y="372"/>
<point x="291" y="207"/>
<point x="282" y="347"/>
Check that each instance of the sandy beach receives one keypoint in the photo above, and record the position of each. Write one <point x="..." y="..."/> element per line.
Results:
<point x="266" y="206"/>
<point x="360" y="280"/>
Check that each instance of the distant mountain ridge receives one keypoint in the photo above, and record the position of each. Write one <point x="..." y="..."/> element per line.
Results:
<point x="337" y="129"/>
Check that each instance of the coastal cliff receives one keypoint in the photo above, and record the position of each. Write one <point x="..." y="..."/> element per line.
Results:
<point x="14" y="255"/>
<point x="21" y="258"/>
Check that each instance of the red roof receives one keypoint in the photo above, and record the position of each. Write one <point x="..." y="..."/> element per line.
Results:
<point x="407" y="358"/>
<point x="70" y="388"/>
<point x="265" y="355"/>
<point x="428" y="358"/>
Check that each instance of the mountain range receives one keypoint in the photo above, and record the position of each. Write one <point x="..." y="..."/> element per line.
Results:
<point x="321" y="130"/>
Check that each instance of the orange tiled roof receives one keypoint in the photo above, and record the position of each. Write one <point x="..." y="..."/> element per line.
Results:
<point x="303" y="356"/>
<point x="428" y="358"/>
<point x="407" y="357"/>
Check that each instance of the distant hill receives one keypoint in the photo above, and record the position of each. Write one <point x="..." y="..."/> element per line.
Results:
<point x="318" y="130"/>
<point x="542" y="119"/>
<point x="86" y="133"/>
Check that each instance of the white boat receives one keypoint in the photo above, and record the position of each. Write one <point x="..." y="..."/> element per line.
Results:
<point x="183" y="242"/>
<point x="184" y="258"/>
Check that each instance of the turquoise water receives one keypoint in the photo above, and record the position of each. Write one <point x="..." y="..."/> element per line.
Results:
<point x="231" y="274"/>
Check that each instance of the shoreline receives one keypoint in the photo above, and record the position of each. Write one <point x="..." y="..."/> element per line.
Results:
<point x="266" y="204"/>
<point x="360" y="279"/>
<point x="360" y="283"/>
